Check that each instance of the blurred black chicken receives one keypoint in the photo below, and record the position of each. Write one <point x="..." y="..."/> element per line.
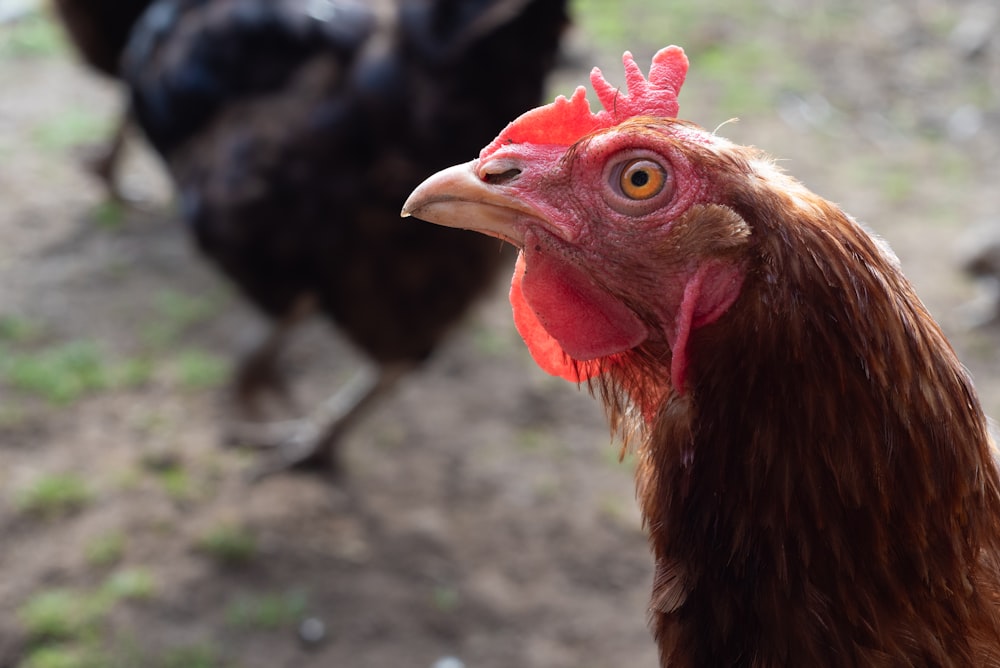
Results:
<point x="99" y="30"/>
<point x="295" y="129"/>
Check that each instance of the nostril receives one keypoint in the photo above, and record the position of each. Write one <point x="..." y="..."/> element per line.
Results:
<point x="500" y="178"/>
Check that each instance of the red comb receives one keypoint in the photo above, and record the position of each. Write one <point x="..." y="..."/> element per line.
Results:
<point x="565" y="121"/>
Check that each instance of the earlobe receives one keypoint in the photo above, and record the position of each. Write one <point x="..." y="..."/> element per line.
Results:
<point x="708" y="294"/>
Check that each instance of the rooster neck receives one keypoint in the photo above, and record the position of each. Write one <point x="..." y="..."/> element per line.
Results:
<point x="825" y="492"/>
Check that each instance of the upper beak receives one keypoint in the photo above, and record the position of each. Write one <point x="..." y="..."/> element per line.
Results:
<point x="458" y="197"/>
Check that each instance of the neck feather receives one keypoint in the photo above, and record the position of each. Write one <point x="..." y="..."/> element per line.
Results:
<point x="824" y="494"/>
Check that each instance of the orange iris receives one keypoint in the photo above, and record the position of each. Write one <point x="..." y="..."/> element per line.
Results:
<point x="641" y="179"/>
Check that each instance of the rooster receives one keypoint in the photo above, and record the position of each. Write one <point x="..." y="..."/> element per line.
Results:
<point x="815" y="470"/>
<point x="294" y="129"/>
<point x="99" y="29"/>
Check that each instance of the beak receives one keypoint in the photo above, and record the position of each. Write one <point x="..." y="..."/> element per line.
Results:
<point x="458" y="197"/>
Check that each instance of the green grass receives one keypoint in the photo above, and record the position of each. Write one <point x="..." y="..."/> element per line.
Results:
<point x="176" y="483"/>
<point x="14" y="329"/>
<point x="898" y="183"/>
<point x="33" y="36"/>
<point x="492" y="341"/>
<point x="194" y="656"/>
<point x="131" y="372"/>
<point x="750" y="75"/>
<point x="74" y="126"/>
<point x="134" y="584"/>
<point x="197" y="369"/>
<point x="614" y="508"/>
<point x="182" y="484"/>
<point x="64" y="656"/>
<point x="445" y="598"/>
<point x="62" y="615"/>
<point x="734" y="73"/>
<point x="634" y="24"/>
<point x="109" y="214"/>
<point x="895" y="180"/>
<point x="54" y="495"/>
<point x="267" y="612"/>
<point x="229" y="544"/>
<point x="954" y="167"/>
<point x="615" y="458"/>
<point x="61" y="373"/>
<point x="606" y="22"/>
<point x="67" y="628"/>
<point x="151" y="423"/>
<point x="174" y="313"/>
<point x="66" y="372"/>
<point x="106" y="549"/>
<point x="92" y="654"/>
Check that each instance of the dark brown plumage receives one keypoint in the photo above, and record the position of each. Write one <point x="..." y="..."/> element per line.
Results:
<point x="841" y="503"/>
<point x="815" y="469"/>
<point x="294" y="129"/>
<point x="99" y="29"/>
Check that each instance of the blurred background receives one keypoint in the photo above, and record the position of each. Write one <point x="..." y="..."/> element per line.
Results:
<point x="484" y="518"/>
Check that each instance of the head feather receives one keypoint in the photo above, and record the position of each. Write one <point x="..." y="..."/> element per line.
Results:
<point x="566" y="121"/>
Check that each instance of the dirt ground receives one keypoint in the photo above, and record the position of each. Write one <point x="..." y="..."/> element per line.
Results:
<point x="484" y="514"/>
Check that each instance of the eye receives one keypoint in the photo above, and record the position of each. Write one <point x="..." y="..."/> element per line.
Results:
<point x="638" y="182"/>
<point x="641" y="179"/>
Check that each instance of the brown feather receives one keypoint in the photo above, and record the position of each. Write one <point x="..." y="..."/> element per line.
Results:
<point x="824" y="493"/>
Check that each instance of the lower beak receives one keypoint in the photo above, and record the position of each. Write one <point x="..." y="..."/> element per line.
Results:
<point x="457" y="197"/>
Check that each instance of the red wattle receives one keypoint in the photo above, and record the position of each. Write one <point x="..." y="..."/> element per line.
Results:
<point x="544" y="349"/>
<point x="565" y="319"/>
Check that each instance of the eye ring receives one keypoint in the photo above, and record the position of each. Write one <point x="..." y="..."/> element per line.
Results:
<point x="641" y="179"/>
<point x="638" y="182"/>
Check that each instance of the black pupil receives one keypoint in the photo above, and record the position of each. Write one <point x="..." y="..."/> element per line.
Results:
<point x="639" y="178"/>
